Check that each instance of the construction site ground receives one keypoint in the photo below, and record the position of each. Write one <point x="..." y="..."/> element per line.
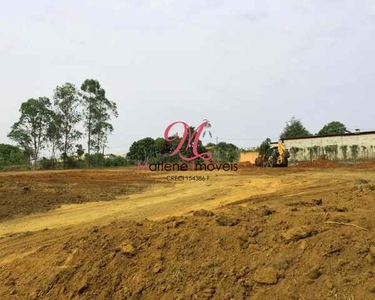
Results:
<point x="303" y="232"/>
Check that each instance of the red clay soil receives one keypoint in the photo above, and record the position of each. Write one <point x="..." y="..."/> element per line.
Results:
<point x="319" y="163"/>
<point x="322" y="163"/>
<point x="365" y="165"/>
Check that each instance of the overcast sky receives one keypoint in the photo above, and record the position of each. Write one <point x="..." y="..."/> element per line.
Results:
<point x="247" y="66"/>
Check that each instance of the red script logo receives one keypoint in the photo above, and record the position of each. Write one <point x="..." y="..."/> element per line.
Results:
<point x="192" y="139"/>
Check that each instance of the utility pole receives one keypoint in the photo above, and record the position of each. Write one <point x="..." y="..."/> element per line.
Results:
<point x="217" y="140"/>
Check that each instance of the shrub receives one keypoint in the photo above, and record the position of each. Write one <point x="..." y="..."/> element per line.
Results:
<point x="331" y="150"/>
<point x="354" y="151"/>
<point x="344" y="150"/>
<point x="48" y="163"/>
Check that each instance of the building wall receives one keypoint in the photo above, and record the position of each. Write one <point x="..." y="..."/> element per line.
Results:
<point x="361" y="146"/>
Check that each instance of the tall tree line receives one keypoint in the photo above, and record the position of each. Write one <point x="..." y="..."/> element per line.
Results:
<point x="54" y="125"/>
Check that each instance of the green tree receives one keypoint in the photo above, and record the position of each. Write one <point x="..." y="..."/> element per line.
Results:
<point x="12" y="155"/>
<point x="225" y="153"/>
<point x="54" y="135"/>
<point x="162" y="146"/>
<point x="98" y="110"/>
<point x="30" y="132"/>
<point x="159" y="150"/>
<point x="104" y="111"/>
<point x="90" y="92"/>
<point x="142" y="149"/>
<point x="294" y="129"/>
<point x="265" y="146"/>
<point x="66" y="103"/>
<point x="80" y="151"/>
<point x="333" y="127"/>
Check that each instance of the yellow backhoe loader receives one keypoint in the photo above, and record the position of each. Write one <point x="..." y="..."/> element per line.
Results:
<point x="276" y="156"/>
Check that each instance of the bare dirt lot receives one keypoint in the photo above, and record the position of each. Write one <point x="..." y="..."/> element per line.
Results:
<point x="22" y="193"/>
<point x="303" y="232"/>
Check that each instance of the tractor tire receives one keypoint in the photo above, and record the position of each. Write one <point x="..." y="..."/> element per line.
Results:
<point x="271" y="163"/>
<point x="286" y="162"/>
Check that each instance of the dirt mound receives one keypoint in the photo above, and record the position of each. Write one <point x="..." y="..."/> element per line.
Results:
<point x="365" y="165"/>
<point x="297" y="248"/>
<point x="248" y="157"/>
<point x="329" y="164"/>
<point x="246" y="164"/>
<point x="319" y="163"/>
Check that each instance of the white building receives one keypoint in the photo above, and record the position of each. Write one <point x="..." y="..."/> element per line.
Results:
<point x="358" y="145"/>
